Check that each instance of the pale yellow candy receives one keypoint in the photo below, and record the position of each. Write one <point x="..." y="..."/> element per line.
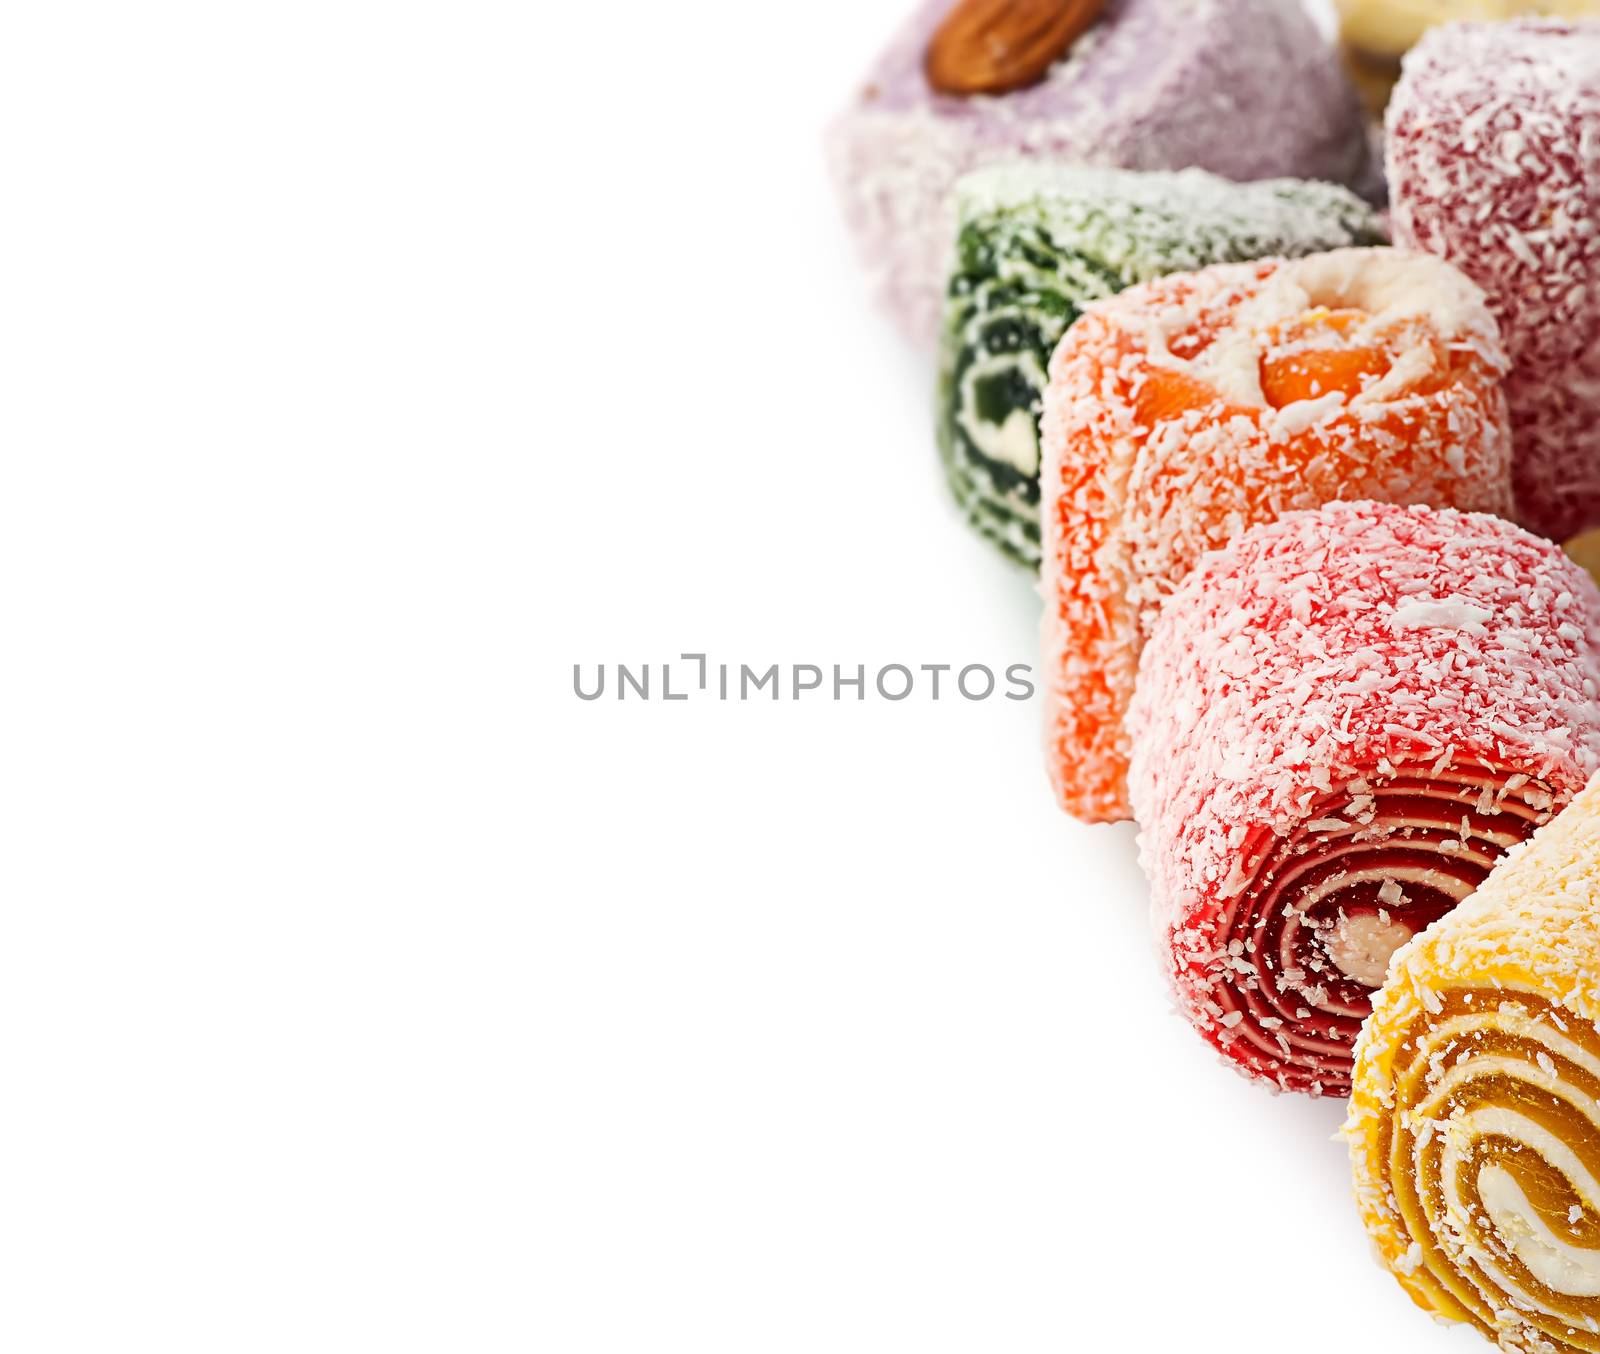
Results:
<point x="1390" y="28"/>
<point x="1584" y="550"/>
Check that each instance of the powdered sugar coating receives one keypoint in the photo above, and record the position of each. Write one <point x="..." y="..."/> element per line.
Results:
<point x="1316" y="661"/>
<point x="1247" y="89"/>
<point x="1494" y="164"/>
<point x="1135" y="489"/>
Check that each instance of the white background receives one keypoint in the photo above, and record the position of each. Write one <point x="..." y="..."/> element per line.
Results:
<point x="365" y="367"/>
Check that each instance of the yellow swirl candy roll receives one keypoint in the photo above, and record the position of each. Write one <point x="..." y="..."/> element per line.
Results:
<point x="1474" y="1123"/>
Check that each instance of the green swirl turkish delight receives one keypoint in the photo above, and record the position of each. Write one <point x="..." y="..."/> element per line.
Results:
<point x="1036" y="244"/>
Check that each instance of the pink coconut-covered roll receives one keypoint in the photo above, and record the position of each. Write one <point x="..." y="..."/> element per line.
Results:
<point x="1494" y="164"/>
<point x="1248" y="89"/>
<point x="1343" y="720"/>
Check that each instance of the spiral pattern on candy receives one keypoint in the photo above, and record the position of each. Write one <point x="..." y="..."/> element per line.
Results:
<point x="1344" y="720"/>
<point x="1474" y="1124"/>
<point x="1184" y="410"/>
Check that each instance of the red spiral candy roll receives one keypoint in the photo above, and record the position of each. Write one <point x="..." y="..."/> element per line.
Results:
<point x="1343" y="720"/>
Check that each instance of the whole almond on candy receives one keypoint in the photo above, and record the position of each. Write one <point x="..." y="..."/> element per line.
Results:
<point x="997" y="46"/>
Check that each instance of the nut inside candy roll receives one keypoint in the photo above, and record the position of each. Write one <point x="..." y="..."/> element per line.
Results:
<point x="1344" y="721"/>
<point x="1474" y="1124"/>
<point x="1185" y="410"/>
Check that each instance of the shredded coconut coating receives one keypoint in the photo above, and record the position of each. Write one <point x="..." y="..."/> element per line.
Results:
<point x="1343" y="720"/>
<point x="1473" y="1123"/>
<point x="1248" y="89"/>
<point x="1184" y="410"/>
<point x="1036" y="243"/>
<point x="1494" y="164"/>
